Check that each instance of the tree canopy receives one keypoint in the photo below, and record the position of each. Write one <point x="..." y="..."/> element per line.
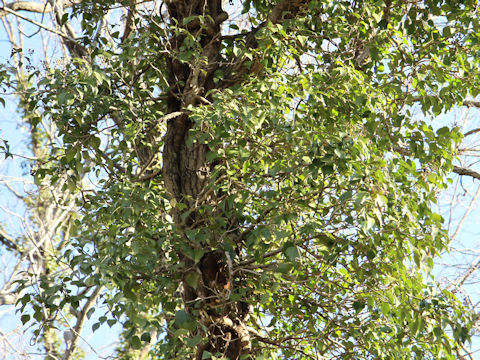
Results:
<point x="246" y="180"/>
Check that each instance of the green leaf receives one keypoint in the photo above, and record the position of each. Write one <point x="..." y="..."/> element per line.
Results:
<point x="64" y="98"/>
<point x="146" y="337"/>
<point x="136" y="342"/>
<point x="385" y="329"/>
<point x="181" y="318"/>
<point x="37" y="315"/>
<point x="358" y="305"/>
<point x="194" y="341"/>
<point x="385" y="308"/>
<point x="90" y="312"/>
<point x="292" y="253"/>
<point x="206" y="355"/>
<point x="189" y="19"/>
<point x="285" y="140"/>
<point x="25" y="318"/>
<point x="327" y="169"/>
<point x="95" y="326"/>
<point x="192" y="279"/>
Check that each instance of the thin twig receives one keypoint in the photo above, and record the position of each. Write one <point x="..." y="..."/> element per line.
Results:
<point x="40" y="25"/>
<point x="469" y="209"/>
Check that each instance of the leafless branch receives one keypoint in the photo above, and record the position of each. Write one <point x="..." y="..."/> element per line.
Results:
<point x="31" y="6"/>
<point x="80" y="321"/>
<point x="465" y="215"/>
<point x="40" y="25"/>
<point x="471" y="132"/>
<point x="466" y="172"/>
<point x="7" y="298"/>
<point x="471" y="103"/>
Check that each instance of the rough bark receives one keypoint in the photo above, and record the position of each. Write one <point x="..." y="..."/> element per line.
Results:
<point x="186" y="172"/>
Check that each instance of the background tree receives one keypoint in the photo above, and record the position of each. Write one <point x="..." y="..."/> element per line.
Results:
<point x="244" y="180"/>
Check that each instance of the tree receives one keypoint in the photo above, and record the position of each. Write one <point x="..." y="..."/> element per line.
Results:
<point x="250" y="180"/>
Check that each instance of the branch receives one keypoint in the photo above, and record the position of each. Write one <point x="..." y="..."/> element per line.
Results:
<point x="8" y="242"/>
<point x="14" y="192"/>
<point x="271" y="341"/>
<point x="264" y="256"/>
<point x="7" y="298"/>
<point x="469" y="209"/>
<point x="80" y="321"/>
<point x="24" y="6"/>
<point x="76" y="50"/>
<point x="130" y="23"/>
<point x="235" y="70"/>
<point x="7" y="10"/>
<point x="465" y="171"/>
<point x="471" y="103"/>
<point x="456" y="169"/>
<point x="31" y="6"/>
<point x="286" y="9"/>
<point x="474" y="131"/>
<point x="468" y="273"/>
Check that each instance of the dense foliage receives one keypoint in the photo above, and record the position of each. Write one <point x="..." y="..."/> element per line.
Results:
<point x="257" y="186"/>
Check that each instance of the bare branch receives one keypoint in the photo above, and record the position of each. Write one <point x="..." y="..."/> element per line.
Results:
<point x="80" y="321"/>
<point x="474" y="267"/>
<point x="471" y="132"/>
<point x="465" y="171"/>
<point x="31" y="6"/>
<point x="469" y="209"/>
<point x="24" y="6"/>
<point x="471" y="103"/>
<point x="75" y="49"/>
<point x="14" y="192"/>
<point x="8" y="298"/>
<point x="40" y="25"/>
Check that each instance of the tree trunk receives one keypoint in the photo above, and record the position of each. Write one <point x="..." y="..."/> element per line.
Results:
<point x="186" y="174"/>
